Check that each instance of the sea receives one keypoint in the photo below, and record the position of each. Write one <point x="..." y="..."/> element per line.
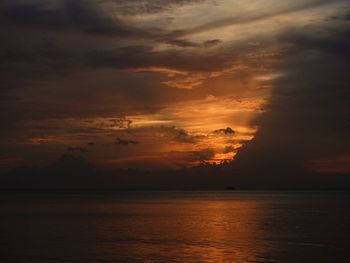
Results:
<point x="174" y="226"/>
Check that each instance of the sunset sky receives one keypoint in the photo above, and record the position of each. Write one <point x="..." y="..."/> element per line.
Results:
<point x="170" y="84"/>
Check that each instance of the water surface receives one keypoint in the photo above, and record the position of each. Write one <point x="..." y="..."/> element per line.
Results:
<point x="229" y="226"/>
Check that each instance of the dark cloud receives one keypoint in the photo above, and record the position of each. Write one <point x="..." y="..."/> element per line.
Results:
<point x="125" y="142"/>
<point x="334" y="45"/>
<point x="229" y="149"/>
<point x="8" y="98"/>
<point x="307" y="118"/>
<point x="137" y="7"/>
<point x="120" y="123"/>
<point x="73" y="172"/>
<point x="182" y="43"/>
<point x="178" y="135"/>
<point x="347" y="17"/>
<point x="144" y="56"/>
<point x="339" y="17"/>
<point x="212" y="42"/>
<point x="42" y="42"/>
<point x="203" y="155"/>
<point x="227" y="131"/>
<point x="76" y="149"/>
<point x="186" y="43"/>
<point x="85" y="16"/>
<point x="38" y="44"/>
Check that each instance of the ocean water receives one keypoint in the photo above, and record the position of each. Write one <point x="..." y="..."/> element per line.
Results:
<point x="227" y="226"/>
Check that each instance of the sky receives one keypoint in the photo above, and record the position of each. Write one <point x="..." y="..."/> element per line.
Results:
<point x="168" y="85"/>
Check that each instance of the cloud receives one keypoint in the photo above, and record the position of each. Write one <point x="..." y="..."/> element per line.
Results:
<point x="188" y="44"/>
<point x="255" y="17"/>
<point x="182" y="43"/>
<point x="76" y="149"/>
<point x="307" y="118"/>
<point x="84" y="16"/>
<point x="135" y="7"/>
<point x="212" y="42"/>
<point x="337" y="165"/>
<point x="189" y="82"/>
<point x="227" y="131"/>
<point x="229" y="149"/>
<point x="120" y="123"/>
<point x="144" y="56"/>
<point x="125" y="142"/>
<point x="162" y="70"/>
<point x="177" y="134"/>
<point x="203" y="155"/>
<point x="73" y="172"/>
<point x="83" y="71"/>
<point x="45" y="48"/>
